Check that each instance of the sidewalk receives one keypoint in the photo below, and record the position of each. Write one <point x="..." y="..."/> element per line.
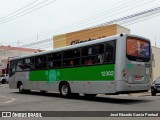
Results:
<point x="141" y="94"/>
<point x="4" y="85"/>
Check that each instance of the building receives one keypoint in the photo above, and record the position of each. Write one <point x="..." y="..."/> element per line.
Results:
<point x="87" y="35"/>
<point x="156" y="62"/>
<point x="9" y="52"/>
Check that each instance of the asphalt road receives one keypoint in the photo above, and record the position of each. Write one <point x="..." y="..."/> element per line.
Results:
<point x="12" y="100"/>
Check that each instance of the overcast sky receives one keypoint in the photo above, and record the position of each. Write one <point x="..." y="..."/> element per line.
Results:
<point x="62" y="16"/>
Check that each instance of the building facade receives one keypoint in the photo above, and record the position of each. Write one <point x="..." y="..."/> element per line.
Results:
<point x="7" y="52"/>
<point x="156" y="62"/>
<point x="87" y="35"/>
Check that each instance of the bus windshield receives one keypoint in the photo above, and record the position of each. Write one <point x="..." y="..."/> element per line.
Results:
<point x="138" y="50"/>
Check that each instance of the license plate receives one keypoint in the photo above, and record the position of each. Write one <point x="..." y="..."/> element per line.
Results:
<point x="138" y="78"/>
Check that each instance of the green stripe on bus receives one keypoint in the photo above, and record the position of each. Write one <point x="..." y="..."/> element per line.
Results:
<point x="87" y="73"/>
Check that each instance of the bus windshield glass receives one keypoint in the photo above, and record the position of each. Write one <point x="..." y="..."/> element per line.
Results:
<point x="138" y="50"/>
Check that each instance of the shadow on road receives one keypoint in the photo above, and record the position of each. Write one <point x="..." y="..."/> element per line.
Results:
<point x="106" y="99"/>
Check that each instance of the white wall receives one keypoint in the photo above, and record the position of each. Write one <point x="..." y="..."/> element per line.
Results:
<point x="4" y="54"/>
<point x="156" y="62"/>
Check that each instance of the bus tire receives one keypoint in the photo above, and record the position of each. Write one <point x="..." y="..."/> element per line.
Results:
<point x="90" y="95"/>
<point x="153" y="93"/>
<point x="65" y="90"/>
<point x="21" y="88"/>
<point x="3" y="81"/>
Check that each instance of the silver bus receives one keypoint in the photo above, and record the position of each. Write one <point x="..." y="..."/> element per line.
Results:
<point x="112" y="65"/>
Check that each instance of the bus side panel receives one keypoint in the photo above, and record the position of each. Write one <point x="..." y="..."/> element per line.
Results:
<point x="99" y="87"/>
<point x="12" y="83"/>
<point x="24" y="78"/>
<point x="48" y="86"/>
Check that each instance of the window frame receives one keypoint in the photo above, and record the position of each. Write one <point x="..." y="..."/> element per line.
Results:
<point x="56" y="60"/>
<point x="71" y="58"/>
<point x="44" y="62"/>
<point x="32" y="64"/>
<point x="18" y="65"/>
<point x="136" y="58"/>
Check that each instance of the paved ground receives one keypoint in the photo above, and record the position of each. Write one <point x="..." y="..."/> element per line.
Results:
<point x="12" y="100"/>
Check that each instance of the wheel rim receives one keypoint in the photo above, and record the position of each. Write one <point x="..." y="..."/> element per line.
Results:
<point x="21" y="88"/>
<point x="64" y="90"/>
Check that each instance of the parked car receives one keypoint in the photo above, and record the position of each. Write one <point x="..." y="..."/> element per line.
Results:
<point x="4" y="78"/>
<point x="155" y="87"/>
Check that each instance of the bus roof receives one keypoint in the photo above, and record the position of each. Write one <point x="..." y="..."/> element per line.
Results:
<point x="79" y="45"/>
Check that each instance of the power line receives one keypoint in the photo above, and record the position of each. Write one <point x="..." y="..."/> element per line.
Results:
<point x="36" y="43"/>
<point x="4" y="21"/>
<point x="87" y="28"/>
<point x="113" y="9"/>
<point x="19" y="10"/>
<point x="117" y="8"/>
<point x="134" y="22"/>
<point x="82" y="19"/>
<point x="119" y="12"/>
<point x="124" y="19"/>
<point x="124" y="24"/>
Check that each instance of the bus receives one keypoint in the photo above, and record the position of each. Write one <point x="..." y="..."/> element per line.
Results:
<point x="112" y="65"/>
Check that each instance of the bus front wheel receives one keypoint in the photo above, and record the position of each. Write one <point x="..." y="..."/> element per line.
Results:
<point x="21" y="88"/>
<point x="65" y="90"/>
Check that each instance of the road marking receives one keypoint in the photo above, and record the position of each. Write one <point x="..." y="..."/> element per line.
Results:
<point x="9" y="99"/>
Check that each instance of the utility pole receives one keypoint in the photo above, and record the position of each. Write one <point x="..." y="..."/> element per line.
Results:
<point x="155" y="41"/>
<point x="18" y="42"/>
<point x="37" y="37"/>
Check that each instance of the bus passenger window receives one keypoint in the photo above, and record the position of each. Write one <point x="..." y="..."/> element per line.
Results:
<point x="57" y="64"/>
<point x="50" y="64"/>
<point x="88" y="61"/>
<point x="93" y="54"/>
<point x="89" y="51"/>
<point x="57" y="56"/>
<point x="40" y="62"/>
<point x="74" y="62"/>
<point x="100" y="58"/>
<point x="98" y="49"/>
<point x="20" y="65"/>
<point x="99" y="52"/>
<point x="12" y="69"/>
<point x="110" y="52"/>
<point x="28" y="63"/>
<point x="71" y="63"/>
<point x="71" y="58"/>
<point x="50" y="57"/>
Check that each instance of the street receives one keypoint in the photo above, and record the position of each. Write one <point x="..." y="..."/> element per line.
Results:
<point x="12" y="100"/>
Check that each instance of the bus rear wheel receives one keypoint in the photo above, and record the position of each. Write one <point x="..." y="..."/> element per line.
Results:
<point x="65" y="90"/>
<point x="153" y="93"/>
